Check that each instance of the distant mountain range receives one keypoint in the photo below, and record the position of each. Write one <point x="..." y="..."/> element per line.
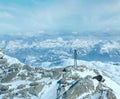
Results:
<point x="54" y="48"/>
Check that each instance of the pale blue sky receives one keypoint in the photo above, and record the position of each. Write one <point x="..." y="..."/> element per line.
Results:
<point x="56" y="15"/>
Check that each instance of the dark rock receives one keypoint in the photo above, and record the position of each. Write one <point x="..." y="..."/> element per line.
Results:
<point x="83" y="86"/>
<point x="22" y="76"/>
<point x="21" y="86"/>
<point x="4" y="88"/>
<point x="22" y="93"/>
<point x="110" y="95"/>
<point x="98" y="78"/>
<point x="9" y="77"/>
<point x="62" y="81"/>
<point x="57" y="72"/>
<point x="26" y="67"/>
<point x="35" y="90"/>
<point x="47" y="73"/>
<point x="34" y="83"/>
<point x="14" y="67"/>
<point x="3" y="61"/>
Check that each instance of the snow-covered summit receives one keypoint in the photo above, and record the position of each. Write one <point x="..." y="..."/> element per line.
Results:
<point x="22" y="82"/>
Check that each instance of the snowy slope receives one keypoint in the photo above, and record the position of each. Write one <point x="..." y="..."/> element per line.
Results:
<point x="40" y="83"/>
<point x="12" y="60"/>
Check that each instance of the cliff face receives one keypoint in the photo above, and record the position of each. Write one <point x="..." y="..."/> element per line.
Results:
<point x="25" y="82"/>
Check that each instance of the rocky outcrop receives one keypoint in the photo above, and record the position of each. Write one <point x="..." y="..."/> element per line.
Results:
<point x="21" y="94"/>
<point x="47" y="73"/>
<point x="34" y="83"/>
<point x="3" y="61"/>
<point x="83" y="86"/>
<point x="21" y="86"/>
<point x="28" y="68"/>
<point x="111" y="95"/>
<point x="36" y="89"/>
<point x="4" y="88"/>
<point x="22" y="81"/>
<point x="14" y="67"/>
<point x="57" y="72"/>
<point x="9" y="77"/>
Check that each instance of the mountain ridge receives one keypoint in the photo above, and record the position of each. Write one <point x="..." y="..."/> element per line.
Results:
<point x="22" y="81"/>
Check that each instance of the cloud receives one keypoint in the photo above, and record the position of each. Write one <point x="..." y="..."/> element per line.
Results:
<point x="74" y="15"/>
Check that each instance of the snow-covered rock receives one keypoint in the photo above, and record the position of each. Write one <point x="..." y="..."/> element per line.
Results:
<point x="22" y="81"/>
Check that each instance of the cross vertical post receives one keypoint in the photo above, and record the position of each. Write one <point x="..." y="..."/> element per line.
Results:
<point x="75" y="58"/>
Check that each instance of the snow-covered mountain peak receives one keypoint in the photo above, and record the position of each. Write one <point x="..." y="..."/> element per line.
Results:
<point x="23" y="81"/>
